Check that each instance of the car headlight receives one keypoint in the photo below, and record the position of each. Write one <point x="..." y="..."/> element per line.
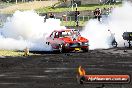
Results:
<point x="85" y="43"/>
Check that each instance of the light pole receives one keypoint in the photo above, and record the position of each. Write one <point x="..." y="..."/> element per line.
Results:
<point x="16" y="1"/>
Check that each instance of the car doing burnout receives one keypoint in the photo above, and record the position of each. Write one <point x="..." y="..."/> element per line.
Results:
<point x="67" y="40"/>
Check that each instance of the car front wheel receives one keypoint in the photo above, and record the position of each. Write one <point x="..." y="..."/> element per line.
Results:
<point x="85" y="50"/>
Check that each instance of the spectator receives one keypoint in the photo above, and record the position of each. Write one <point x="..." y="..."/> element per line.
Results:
<point x="64" y="18"/>
<point x="45" y="17"/>
<point x="51" y="15"/>
<point x="104" y="12"/>
<point x="97" y="14"/>
<point x="26" y="52"/>
<point x="110" y="10"/>
<point x="77" y="13"/>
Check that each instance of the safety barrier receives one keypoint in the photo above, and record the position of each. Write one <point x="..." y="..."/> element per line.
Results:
<point x="72" y="18"/>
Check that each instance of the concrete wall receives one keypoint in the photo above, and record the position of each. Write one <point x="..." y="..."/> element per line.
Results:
<point x="90" y="2"/>
<point x="83" y="2"/>
<point x="72" y="13"/>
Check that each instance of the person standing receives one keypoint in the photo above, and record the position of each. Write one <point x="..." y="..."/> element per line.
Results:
<point x="77" y="13"/>
<point x="45" y="17"/>
<point x="51" y="15"/>
<point x="97" y="14"/>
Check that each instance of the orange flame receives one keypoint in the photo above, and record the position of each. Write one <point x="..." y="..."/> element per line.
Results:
<point x="81" y="71"/>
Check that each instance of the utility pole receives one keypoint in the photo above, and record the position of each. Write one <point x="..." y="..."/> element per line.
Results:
<point x="16" y="1"/>
<point x="77" y="13"/>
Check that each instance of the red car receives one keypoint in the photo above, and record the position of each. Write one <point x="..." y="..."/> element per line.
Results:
<point x="67" y="40"/>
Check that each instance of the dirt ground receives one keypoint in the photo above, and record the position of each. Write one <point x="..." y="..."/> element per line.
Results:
<point x="26" y="6"/>
<point x="50" y="70"/>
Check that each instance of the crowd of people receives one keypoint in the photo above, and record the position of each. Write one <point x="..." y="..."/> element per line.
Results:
<point x="99" y="12"/>
<point x="50" y="15"/>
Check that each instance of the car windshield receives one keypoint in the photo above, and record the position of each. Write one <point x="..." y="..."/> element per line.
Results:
<point x="69" y="33"/>
<point x="65" y="33"/>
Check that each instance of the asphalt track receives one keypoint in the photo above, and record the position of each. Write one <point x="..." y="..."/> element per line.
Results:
<point x="50" y="70"/>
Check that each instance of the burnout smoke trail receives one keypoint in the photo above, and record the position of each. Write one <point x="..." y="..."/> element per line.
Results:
<point x="118" y="22"/>
<point x="27" y="29"/>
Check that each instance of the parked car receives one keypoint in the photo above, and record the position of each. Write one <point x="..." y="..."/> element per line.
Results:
<point x="67" y="40"/>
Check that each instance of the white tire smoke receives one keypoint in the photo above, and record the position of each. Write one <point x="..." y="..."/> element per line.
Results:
<point x="27" y="29"/>
<point x="99" y="33"/>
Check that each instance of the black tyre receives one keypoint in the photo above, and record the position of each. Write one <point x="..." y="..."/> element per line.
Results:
<point x="85" y="50"/>
<point x="114" y="44"/>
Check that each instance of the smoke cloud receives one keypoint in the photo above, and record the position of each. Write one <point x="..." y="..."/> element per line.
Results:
<point x="118" y="22"/>
<point x="27" y="29"/>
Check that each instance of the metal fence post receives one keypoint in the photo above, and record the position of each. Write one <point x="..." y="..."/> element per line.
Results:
<point x="62" y="19"/>
<point x="88" y="17"/>
<point x="70" y="19"/>
<point x="83" y="18"/>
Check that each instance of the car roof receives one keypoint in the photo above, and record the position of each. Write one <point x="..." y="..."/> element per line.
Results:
<point x="64" y="30"/>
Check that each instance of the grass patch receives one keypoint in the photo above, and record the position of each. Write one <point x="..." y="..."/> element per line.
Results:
<point x="39" y="7"/>
<point x="80" y="8"/>
<point x="72" y="23"/>
<point x="26" y="6"/>
<point x="12" y="53"/>
<point x="6" y="4"/>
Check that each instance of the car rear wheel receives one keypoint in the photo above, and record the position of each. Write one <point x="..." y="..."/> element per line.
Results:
<point x="114" y="44"/>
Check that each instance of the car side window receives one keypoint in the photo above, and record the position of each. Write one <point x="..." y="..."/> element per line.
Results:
<point x="52" y="35"/>
<point x="56" y="35"/>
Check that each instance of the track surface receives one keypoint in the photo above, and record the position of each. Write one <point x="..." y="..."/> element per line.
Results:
<point x="60" y="70"/>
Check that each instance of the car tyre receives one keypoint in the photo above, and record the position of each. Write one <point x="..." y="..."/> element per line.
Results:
<point x="85" y="50"/>
<point x="114" y="44"/>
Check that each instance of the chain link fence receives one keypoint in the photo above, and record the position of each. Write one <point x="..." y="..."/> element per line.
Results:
<point x="70" y="20"/>
<point x="65" y="20"/>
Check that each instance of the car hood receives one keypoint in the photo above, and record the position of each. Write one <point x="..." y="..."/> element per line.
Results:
<point x="71" y="40"/>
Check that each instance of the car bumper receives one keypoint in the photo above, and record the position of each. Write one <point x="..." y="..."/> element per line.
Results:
<point x="79" y="48"/>
<point x="72" y="47"/>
